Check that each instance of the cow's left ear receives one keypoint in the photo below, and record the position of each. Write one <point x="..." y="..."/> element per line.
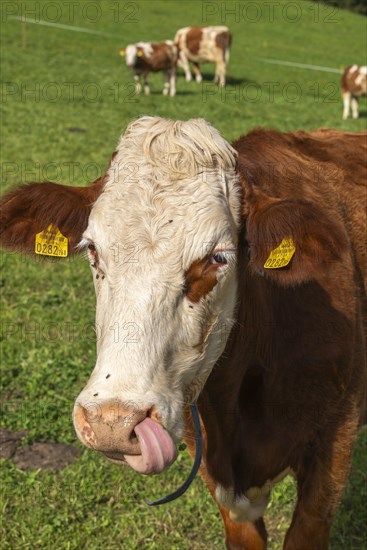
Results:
<point x="292" y="241"/>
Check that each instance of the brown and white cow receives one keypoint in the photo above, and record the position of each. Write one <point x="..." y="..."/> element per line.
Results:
<point x="274" y="356"/>
<point x="353" y="85"/>
<point x="202" y="44"/>
<point x="146" y="57"/>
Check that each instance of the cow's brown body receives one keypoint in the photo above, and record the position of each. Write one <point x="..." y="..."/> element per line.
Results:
<point x="162" y="59"/>
<point x="288" y="393"/>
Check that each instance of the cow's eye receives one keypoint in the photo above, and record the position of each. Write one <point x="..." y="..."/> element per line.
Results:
<point x="92" y="250"/>
<point x="92" y="253"/>
<point x="218" y="258"/>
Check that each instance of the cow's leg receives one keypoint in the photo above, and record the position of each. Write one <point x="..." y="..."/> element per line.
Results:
<point x="220" y="72"/>
<point x="197" y="72"/>
<point x="239" y="535"/>
<point x="137" y="84"/>
<point x="216" y="75"/>
<point x="244" y="536"/>
<point x="354" y="104"/>
<point x="346" y="103"/>
<point x="146" y="84"/>
<point x="166" y="83"/>
<point x="184" y="63"/>
<point x="172" y="81"/>
<point x="320" y="485"/>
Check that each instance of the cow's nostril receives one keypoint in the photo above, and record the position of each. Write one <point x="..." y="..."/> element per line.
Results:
<point x="83" y="426"/>
<point x="153" y="414"/>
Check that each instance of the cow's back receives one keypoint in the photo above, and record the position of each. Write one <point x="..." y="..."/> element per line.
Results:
<point x="204" y="43"/>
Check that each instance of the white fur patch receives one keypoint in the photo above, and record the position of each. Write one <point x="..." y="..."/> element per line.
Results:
<point x="360" y="79"/>
<point x="146" y="47"/>
<point x="241" y="508"/>
<point x="252" y="504"/>
<point x="131" y="54"/>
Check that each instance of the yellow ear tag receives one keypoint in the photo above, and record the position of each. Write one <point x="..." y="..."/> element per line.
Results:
<point x="282" y="255"/>
<point x="51" y="242"/>
<point x="122" y="53"/>
<point x="140" y="53"/>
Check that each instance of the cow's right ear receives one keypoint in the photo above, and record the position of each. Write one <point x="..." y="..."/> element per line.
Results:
<point x="31" y="209"/>
<point x="292" y="241"/>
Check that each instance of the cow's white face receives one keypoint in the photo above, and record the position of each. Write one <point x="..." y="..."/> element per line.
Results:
<point x="162" y="240"/>
<point x="131" y="53"/>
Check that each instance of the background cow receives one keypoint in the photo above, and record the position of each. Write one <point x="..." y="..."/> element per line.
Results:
<point x="201" y="44"/>
<point x="146" y="57"/>
<point x="248" y="291"/>
<point x="353" y="84"/>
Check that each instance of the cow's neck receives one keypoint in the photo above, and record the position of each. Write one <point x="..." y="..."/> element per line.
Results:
<point x="235" y="401"/>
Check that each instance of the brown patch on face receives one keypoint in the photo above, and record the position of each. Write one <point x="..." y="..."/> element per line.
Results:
<point x="193" y="39"/>
<point x="200" y="278"/>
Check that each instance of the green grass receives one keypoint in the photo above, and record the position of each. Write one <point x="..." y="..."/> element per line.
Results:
<point x="48" y="307"/>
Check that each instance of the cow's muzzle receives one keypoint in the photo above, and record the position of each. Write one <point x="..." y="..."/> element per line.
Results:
<point x="125" y="434"/>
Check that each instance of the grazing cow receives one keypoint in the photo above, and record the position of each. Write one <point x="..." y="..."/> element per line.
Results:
<point x="353" y="84"/>
<point x="200" y="44"/>
<point x="246" y="292"/>
<point x="146" y="57"/>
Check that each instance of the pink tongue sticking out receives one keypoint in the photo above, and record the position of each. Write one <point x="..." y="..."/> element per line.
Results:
<point x="157" y="448"/>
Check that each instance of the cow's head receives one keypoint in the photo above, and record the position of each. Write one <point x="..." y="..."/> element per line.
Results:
<point x="132" y="52"/>
<point x="160" y="231"/>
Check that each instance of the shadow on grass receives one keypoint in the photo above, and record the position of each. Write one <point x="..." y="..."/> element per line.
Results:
<point x="230" y="80"/>
<point x="158" y="93"/>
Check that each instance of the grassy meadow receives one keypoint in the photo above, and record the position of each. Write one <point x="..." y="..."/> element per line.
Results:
<point x="66" y="98"/>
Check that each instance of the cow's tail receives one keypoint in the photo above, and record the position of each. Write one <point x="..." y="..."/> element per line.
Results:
<point x="227" y="48"/>
<point x="226" y="55"/>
